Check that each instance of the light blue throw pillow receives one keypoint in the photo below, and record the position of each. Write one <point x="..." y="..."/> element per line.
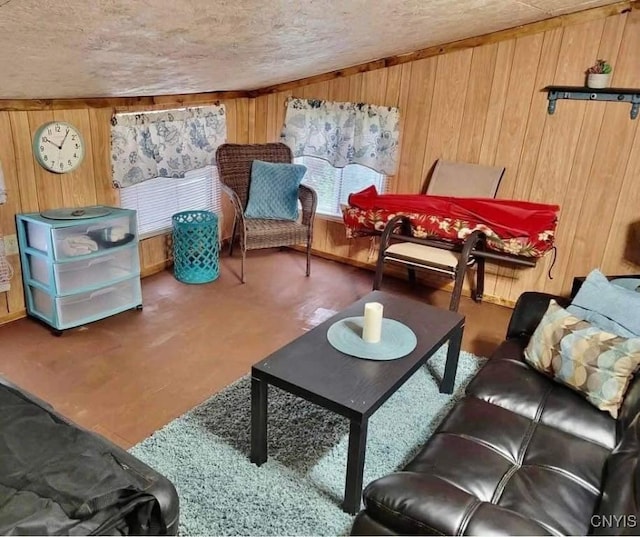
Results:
<point x="608" y="306"/>
<point x="273" y="192"/>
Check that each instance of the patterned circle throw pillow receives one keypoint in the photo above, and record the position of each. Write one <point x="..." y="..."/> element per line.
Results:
<point x="574" y="352"/>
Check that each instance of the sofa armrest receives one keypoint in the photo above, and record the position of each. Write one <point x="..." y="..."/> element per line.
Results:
<point x="528" y="312"/>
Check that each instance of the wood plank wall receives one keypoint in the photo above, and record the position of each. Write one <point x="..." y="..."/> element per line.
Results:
<point x="31" y="188"/>
<point x="471" y="103"/>
<point x="485" y="104"/>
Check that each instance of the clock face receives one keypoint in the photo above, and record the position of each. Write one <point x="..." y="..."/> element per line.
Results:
<point x="58" y="147"/>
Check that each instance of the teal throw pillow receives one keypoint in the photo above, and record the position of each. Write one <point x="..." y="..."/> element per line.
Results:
<point x="610" y="307"/>
<point x="273" y="192"/>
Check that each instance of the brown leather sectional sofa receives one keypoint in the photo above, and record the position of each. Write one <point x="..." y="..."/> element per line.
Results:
<point x="519" y="455"/>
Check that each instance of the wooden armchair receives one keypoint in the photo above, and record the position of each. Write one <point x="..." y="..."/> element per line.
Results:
<point x="234" y="168"/>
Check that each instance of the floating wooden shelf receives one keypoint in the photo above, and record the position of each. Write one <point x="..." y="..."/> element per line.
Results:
<point x="580" y="93"/>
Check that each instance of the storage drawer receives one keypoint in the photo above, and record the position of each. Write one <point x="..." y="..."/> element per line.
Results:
<point x="74" y="276"/>
<point x="82" y="239"/>
<point x="81" y="308"/>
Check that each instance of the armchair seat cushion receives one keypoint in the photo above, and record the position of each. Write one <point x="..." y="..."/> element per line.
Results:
<point x="265" y="233"/>
<point x="427" y="254"/>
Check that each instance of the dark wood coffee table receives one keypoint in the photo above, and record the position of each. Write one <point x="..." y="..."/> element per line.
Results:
<point x="311" y="368"/>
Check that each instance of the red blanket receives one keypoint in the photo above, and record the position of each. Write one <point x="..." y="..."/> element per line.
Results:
<point x="514" y="227"/>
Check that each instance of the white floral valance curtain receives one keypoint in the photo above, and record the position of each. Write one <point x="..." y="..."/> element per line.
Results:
<point x="166" y="143"/>
<point x="344" y="133"/>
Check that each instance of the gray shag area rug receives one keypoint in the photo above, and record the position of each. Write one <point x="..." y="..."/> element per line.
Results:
<point x="298" y="491"/>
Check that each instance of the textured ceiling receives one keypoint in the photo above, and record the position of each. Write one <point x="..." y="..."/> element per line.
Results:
<point x="101" y="48"/>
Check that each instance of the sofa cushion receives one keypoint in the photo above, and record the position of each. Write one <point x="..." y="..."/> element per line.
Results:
<point x="595" y="362"/>
<point x="487" y="463"/>
<point x="607" y="305"/>
<point x="506" y="380"/>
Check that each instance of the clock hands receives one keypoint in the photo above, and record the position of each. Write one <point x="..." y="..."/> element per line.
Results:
<point x="64" y="139"/>
<point x="61" y="143"/>
<point x="55" y="145"/>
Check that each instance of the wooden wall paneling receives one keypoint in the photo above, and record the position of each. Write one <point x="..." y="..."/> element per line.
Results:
<point x="604" y="183"/>
<point x="336" y="239"/>
<point x="422" y="77"/>
<point x="449" y="95"/>
<point x="261" y="119"/>
<point x="355" y="87"/>
<point x="10" y="301"/>
<point x="48" y="185"/>
<point x="392" y="89"/>
<point x="398" y="96"/>
<point x="242" y="121"/>
<point x="338" y="89"/>
<point x="230" y="110"/>
<point x="155" y="253"/>
<point x="374" y="87"/>
<point x="520" y="92"/>
<point x="476" y="104"/>
<point x="252" y="120"/>
<point x="552" y="41"/>
<point x="79" y="186"/>
<point x="622" y="253"/>
<point x="497" y="99"/>
<point x="20" y="134"/>
<point x="560" y="139"/>
<point x="100" y="144"/>
<point x="532" y="278"/>
<point x="585" y="152"/>
<point x="273" y="133"/>
<point x="517" y="104"/>
<point x="319" y="242"/>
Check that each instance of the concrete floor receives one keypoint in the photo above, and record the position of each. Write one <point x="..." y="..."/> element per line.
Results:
<point x="130" y="374"/>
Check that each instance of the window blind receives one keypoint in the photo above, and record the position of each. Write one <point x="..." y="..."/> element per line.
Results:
<point x="157" y="200"/>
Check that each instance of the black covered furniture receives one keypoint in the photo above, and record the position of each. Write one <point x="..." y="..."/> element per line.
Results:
<point x="59" y="479"/>
<point x="519" y="455"/>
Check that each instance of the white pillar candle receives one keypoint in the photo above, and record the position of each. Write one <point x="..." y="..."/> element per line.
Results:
<point x="372" y="328"/>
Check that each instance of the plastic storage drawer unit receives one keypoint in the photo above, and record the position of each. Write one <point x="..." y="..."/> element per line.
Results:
<point x="79" y="270"/>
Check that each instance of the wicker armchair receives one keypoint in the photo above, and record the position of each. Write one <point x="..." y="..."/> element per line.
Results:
<point x="234" y="168"/>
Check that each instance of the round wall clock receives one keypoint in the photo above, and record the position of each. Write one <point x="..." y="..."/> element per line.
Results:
<point x="58" y="147"/>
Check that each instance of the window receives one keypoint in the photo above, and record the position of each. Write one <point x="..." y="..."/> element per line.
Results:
<point x="156" y="200"/>
<point x="333" y="185"/>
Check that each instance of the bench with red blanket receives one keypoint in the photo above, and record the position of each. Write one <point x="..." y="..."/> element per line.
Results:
<point x="517" y="228"/>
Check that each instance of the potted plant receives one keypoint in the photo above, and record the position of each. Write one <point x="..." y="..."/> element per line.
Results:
<point x="599" y="74"/>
